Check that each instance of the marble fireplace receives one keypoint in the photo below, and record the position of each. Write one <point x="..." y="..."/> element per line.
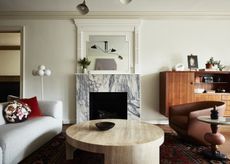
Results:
<point x="107" y="96"/>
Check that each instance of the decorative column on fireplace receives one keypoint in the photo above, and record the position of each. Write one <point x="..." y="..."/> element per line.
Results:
<point x="107" y="96"/>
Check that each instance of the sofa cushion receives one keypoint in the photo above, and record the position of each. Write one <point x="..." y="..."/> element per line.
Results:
<point x="16" y="112"/>
<point x="33" y="103"/>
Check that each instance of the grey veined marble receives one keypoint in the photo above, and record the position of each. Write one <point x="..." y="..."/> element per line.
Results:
<point x="86" y="83"/>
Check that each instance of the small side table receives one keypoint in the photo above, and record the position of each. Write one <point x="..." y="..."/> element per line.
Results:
<point x="214" y="138"/>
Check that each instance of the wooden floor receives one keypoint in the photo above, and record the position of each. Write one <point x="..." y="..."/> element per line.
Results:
<point x="225" y="148"/>
<point x="225" y="130"/>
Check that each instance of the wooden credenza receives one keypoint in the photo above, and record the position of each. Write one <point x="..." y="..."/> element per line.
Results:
<point x="179" y="87"/>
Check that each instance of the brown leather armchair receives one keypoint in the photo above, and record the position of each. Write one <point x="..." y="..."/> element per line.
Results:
<point x="183" y="119"/>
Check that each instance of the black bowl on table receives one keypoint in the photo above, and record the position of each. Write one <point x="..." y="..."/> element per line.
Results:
<point x="104" y="125"/>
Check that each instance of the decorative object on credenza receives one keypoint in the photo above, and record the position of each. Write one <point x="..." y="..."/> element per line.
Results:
<point x="210" y="63"/>
<point x="41" y="71"/>
<point x="220" y="66"/>
<point x="83" y="8"/>
<point x="85" y="62"/>
<point x="214" y="64"/>
<point x="178" y="67"/>
<point x="104" y="125"/>
<point x="214" y="113"/>
<point x="192" y="62"/>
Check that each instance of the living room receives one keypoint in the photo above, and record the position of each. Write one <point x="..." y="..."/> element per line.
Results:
<point x="169" y="32"/>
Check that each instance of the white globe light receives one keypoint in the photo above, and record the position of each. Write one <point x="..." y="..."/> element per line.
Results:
<point x="34" y="72"/>
<point x="47" y="72"/>
<point x="41" y="72"/>
<point x="125" y="1"/>
<point x="42" y="67"/>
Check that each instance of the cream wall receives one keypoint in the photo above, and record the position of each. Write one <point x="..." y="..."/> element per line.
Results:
<point x="163" y="43"/>
<point x="166" y="42"/>
<point x="52" y="43"/>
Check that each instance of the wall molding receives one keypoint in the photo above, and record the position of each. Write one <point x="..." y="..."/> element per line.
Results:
<point x="114" y="14"/>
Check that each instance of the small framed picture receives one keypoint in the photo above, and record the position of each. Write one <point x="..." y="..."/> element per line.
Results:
<point x="192" y="62"/>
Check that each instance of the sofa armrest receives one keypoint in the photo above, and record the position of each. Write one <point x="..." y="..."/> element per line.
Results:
<point x="51" y="108"/>
<point x="1" y="155"/>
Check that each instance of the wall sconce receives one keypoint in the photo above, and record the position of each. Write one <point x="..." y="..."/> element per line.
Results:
<point x="106" y="49"/>
<point x="41" y="71"/>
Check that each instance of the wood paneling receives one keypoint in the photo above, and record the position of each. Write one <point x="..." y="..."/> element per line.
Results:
<point x="175" y="88"/>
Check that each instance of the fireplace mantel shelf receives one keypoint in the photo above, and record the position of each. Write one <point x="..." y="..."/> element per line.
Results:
<point x="106" y="73"/>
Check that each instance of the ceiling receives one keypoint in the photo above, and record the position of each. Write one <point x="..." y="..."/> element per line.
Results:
<point x="115" y="5"/>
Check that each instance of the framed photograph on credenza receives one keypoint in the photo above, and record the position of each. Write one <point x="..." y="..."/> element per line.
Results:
<point x="192" y="62"/>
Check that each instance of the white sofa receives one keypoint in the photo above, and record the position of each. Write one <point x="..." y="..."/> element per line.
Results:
<point x="18" y="140"/>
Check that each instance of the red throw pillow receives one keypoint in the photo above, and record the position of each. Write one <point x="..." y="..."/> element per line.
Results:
<point x="33" y="103"/>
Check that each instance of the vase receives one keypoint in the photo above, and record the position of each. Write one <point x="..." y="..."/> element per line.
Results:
<point x="209" y="66"/>
<point x="214" y="113"/>
<point x="84" y="70"/>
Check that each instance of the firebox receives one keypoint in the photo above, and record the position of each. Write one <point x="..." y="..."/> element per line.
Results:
<point x="105" y="105"/>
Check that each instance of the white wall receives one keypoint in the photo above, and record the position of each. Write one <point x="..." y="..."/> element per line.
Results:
<point x="163" y="43"/>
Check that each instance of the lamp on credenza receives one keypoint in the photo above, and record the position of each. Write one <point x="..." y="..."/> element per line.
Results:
<point x="41" y="71"/>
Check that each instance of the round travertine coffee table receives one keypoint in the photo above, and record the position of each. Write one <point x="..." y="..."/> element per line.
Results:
<point x="128" y="142"/>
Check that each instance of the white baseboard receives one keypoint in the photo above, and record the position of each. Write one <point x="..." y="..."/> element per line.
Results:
<point x="160" y="121"/>
<point x="68" y="122"/>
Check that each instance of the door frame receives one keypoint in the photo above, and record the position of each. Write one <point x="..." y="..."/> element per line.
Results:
<point x="20" y="29"/>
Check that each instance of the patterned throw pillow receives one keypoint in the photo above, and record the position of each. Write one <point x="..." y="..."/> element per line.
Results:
<point x="16" y="112"/>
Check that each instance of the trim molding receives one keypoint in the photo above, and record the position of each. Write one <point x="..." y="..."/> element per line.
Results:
<point x="113" y="14"/>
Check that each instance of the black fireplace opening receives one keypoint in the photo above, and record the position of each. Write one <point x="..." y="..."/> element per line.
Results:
<point x="108" y="105"/>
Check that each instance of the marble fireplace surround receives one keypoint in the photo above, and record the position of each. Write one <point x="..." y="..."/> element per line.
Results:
<point x="86" y="83"/>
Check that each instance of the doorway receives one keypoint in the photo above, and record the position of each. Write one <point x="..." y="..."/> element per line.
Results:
<point x="11" y="74"/>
